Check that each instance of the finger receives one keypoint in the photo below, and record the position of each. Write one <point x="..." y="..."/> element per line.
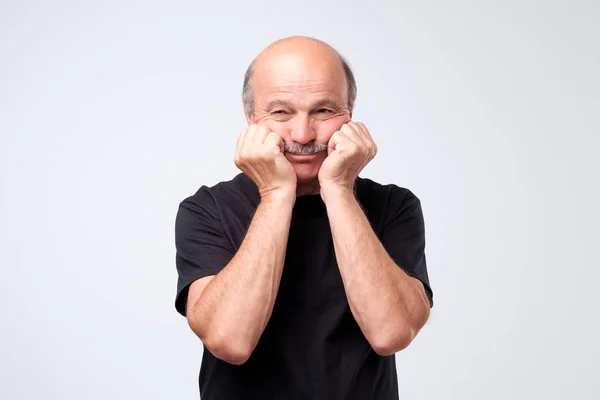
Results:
<point x="248" y="139"/>
<point x="353" y="134"/>
<point x="363" y="128"/>
<point x="363" y="138"/>
<point x="274" y="140"/>
<point x="368" y="138"/>
<point x="334" y="141"/>
<point x="360" y="128"/>
<point x="261" y="133"/>
<point x="365" y="134"/>
<point x="239" y="145"/>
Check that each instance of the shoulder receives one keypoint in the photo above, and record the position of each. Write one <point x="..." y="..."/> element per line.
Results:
<point x="238" y="189"/>
<point x="390" y="196"/>
<point x="224" y="205"/>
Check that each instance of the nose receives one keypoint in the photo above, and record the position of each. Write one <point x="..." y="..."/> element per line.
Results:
<point x="302" y="130"/>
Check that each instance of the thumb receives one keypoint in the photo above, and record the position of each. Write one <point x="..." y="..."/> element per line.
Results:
<point x="333" y="142"/>
<point x="275" y="140"/>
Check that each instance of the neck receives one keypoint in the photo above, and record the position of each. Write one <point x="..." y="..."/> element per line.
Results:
<point x="308" y="188"/>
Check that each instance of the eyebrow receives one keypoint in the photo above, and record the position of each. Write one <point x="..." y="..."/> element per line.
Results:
<point x="319" y="104"/>
<point x="278" y="103"/>
<point x="326" y="103"/>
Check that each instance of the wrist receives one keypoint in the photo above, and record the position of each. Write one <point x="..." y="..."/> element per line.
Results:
<point x="336" y="193"/>
<point x="280" y="197"/>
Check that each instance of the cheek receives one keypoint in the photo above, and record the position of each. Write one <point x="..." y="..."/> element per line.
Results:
<point x="326" y="128"/>
<point x="281" y="128"/>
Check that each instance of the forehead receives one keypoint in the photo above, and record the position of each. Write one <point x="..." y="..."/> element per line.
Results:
<point x="295" y="77"/>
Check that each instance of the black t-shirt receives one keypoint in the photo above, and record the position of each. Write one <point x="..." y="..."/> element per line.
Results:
<point x="312" y="347"/>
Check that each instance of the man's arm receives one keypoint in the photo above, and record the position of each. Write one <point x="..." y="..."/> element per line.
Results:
<point x="389" y="306"/>
<point x="229" y="311"/>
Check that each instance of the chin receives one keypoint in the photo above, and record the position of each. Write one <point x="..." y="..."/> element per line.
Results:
<point x="307" y="167"/>
<point x="307" y="173"/>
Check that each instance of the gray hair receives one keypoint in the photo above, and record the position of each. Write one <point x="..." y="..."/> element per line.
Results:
<point x="248" y="95"/>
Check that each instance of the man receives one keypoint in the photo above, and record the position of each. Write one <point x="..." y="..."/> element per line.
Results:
<point x="301" y="279"/>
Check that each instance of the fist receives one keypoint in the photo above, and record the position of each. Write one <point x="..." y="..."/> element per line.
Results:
<point x="259" y="154"/>
<point x="350" y="149"/>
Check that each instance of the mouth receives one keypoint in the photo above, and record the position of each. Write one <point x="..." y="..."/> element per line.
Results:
<point x="305" y="153"/>
<point x="303" y="156"/>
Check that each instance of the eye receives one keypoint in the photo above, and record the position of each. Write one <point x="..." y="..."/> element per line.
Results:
<point x="279" y="112"/>
<point x="324" y="111"/>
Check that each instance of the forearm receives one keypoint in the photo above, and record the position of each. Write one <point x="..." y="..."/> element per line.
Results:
<point x="388" y="305"/>
<point x="236" y="305"/>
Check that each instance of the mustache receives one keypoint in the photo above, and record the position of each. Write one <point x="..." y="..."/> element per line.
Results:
<point x="308" y="148"/>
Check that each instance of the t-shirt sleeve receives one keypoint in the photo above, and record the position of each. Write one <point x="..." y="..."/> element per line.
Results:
<point x="202" y="247"/>
<point x="403" y="236"/>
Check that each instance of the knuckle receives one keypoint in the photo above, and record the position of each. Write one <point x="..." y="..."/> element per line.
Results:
<point x="259" y="153"/>
<point x="252" y="155"/>
<point x="267" y="151"/>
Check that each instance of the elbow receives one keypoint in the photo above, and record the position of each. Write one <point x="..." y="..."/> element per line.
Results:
<point x="395" y="338"/>
<point x="232" y="350"/>
<point x="392" y="342"/>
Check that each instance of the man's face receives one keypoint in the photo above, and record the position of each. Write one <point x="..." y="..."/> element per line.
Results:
<point x="305" y="103"/>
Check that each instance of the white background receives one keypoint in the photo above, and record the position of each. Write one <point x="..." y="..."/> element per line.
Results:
<point x="112" y="112"/>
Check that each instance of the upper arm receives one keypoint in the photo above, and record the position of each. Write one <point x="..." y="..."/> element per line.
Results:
<point x="202" y="248"/>
<point x="195" y="290"/>
<point x="403" y="237"/>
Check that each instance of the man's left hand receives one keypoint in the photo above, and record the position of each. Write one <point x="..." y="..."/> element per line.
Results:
<point x="350" y="150"/>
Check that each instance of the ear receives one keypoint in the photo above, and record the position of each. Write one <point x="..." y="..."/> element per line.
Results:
<point x="249" y="117"/>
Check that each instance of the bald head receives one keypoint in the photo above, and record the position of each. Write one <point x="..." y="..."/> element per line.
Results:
<point x="297" y="56"/>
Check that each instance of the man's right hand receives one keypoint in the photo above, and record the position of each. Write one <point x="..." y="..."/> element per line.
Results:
<point x="229" y="310"/>
<point x="259" y="154"/>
